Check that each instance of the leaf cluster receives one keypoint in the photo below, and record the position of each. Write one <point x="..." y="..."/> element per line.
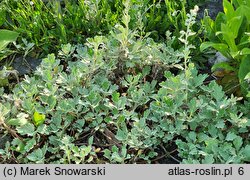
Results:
<point x="229" y="35"/>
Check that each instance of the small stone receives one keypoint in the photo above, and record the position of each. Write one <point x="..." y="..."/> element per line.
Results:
<point x="25" y="66"/>
<point x="217" y="58"/>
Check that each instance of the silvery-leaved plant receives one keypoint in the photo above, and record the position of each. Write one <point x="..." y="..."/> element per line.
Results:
<point x="100" y="102"/>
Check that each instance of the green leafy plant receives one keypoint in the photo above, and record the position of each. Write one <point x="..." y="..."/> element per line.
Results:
<point x="229" y="35"/>
<point x="6" y="37"/>
<point x="52" y="23"/>
<point x="49" y="24"/>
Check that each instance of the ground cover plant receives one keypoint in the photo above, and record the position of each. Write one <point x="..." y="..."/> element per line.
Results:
<point x="123" y="96"/>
